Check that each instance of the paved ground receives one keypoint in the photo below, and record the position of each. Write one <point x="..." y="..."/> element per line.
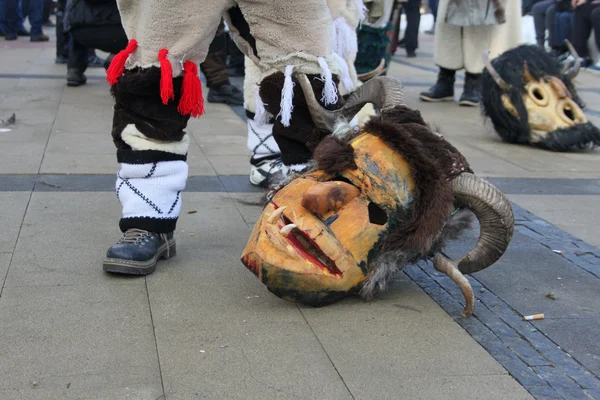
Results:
<point x="203" y="327"/>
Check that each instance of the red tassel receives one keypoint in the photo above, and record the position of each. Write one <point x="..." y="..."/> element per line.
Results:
<point x="166" y="77"/>
<point x="191" y="101"/>
<point x="117" y="66"/>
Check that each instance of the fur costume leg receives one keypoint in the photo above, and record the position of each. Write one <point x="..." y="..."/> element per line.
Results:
<point x="476" y="40"/>
<point x="307" y="47"/>
<point x="152" y="149"/>
<point x="448" y="43"/>
<point x="508" y="35"/>
<point x="460" y="47"/>
<point x="153" y="103"/>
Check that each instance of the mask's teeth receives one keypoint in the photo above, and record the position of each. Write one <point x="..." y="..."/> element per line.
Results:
<point x="287" y="229"/>
<point x="276" y="215"/>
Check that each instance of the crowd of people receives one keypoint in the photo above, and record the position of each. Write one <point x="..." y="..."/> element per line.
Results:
<point x="14" y="12"/>
<point x="575" y="20"/>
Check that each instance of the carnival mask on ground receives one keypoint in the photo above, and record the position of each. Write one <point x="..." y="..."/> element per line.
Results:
<point x="531" y="100"/>
<point x="379" y="198"/>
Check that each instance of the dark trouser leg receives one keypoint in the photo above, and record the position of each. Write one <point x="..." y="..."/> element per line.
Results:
<point x="596" y="24"/>
<point x="11" y="17"/>
<point x="24" y="8"/>
<point x="236" y="57"/>
<point x="78" y="55"/>
<point x="582" y="28"/>
<point x="62" y="39"/>
<point x="550" y="12"/>
<point x="413" y="19"/>
<point x="433" y="5"/>
<point x="46" y="11"/>
<point x="539" y="11"/>
<point x="214" y="66"/>
<point x="35" y="12"/>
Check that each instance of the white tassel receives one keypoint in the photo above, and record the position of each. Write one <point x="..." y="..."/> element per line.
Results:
<point x="346" y="81"/>
<point x="329" y="91"/>
<point x="286" y="97"/>
<point x="345" y="42"/>
<point x="362" y="9"/>
<point x="261" y="116"/>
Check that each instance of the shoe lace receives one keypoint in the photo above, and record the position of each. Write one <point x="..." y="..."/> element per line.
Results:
<point x="134" y="235"/>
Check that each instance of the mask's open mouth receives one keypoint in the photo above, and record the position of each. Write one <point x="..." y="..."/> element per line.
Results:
<point x="307" y="247"/>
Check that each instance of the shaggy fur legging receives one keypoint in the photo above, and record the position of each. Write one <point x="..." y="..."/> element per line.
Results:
<point x="155" y="96"/>
<point x="459" y="47"/>
<point x="346" y="15"/>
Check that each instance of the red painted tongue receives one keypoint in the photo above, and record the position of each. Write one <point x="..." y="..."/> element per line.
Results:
<point x="332" y="268"/>
<point x="298" y="246"/>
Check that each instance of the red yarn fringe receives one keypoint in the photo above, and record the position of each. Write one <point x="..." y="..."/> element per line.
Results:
<point x="191" y="101"/>
<point x="117" y="66"/>
<point x="166" y="77"/>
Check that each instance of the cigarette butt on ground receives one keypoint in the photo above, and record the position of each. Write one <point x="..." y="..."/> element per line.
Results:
<point x="533" y="317"/>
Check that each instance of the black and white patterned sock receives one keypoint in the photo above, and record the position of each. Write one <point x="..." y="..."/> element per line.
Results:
<point x="150" y="194"/>
<point x="260" y="140"/>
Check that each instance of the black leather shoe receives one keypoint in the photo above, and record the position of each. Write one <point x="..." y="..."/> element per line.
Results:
<point x="138" y="252"/>
<point x="75" y="77"/>
<point x="23" y="32"/>
<point x="443" y="90"/>
<point x="10" y="36"/>
<point x="470" y="95"/>
<point x="227" y="94"/>
<point x="39" y="38"/>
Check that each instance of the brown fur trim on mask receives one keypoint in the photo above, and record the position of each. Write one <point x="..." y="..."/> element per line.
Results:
<point x="334" y="155"/>
<point x="446" y="155"/>
<point x="433" y="192"/>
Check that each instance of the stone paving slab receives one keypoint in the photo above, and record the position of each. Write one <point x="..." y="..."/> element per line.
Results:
<point x="12" y="210"/>
<point x="63" y="240"/>
<point x="64" y="340"/>
<point x="398" y="327"/>
<point x="214" y="342"/>
<point x="577" y="214"/>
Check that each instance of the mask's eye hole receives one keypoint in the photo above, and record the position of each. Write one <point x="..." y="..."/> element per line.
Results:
<point x="538" y="94"/>
<point x="376" y="215"/>
<point x="569" y="112"/>
<point x="340" y="178"/>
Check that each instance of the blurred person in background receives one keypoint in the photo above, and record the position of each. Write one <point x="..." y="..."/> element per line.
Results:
<point x="433" y="7"/>
<point x="92" y="24"/>
<point x="63" y="39"/>
<point x="463" y="32"/>
<point x="410" y="41"/>
<point x="12" y="20"/>
<point x="543" y="19"/>
<point x="586" y="19"/>
<point x="215" y="70"/>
